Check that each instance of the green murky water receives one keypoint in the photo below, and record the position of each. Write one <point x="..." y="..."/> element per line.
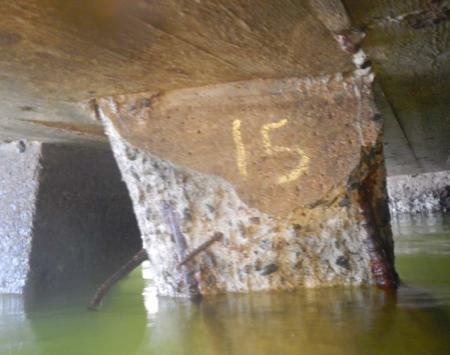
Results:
<point x="325" y="321"/>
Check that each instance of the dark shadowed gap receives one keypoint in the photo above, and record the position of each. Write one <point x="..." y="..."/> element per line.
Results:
<point x="84" y="226"/>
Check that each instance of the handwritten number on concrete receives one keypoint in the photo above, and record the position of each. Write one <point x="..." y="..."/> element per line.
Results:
<point x="269" y="150"/>
<point x="240" y="149"/>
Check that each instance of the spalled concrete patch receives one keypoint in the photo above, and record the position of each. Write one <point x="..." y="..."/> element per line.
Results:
<point x="327" y="226"/>
<point x="420" y="193"/>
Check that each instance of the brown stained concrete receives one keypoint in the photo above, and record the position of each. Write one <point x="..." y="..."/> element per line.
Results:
<point x="225" y="139"/>
<point x="54" y="54"/>
<point x="289" y="171"/>
<point x="283" y="144"/>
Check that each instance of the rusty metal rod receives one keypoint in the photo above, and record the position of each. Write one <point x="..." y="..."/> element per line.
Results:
<point x="131" y="264"/>
<point x="216" y="237"/>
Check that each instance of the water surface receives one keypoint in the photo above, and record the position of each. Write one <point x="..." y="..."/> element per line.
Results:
<point x="321" y="321"/>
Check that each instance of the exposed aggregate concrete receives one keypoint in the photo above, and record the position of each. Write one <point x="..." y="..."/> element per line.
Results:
<point x="422" y="193"/>
<point x="330" y="245"/>
<point x="19" y="170"/>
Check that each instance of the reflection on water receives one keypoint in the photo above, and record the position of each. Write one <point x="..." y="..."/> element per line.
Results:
<point x="322" y="321"/>
<point x="420" y="224"/>
<point x="326" y="321"/>
<point x="12" y="318"/>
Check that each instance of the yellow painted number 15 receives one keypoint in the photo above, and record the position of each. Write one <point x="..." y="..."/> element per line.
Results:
<point x="270" y="150"/>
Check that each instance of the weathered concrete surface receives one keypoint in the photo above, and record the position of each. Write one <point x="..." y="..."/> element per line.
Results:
<point x="19" y="171"/>
<point x="283" y="144"/>
<point x="290" y="171"/>
<point x="66" y="218"/>
<point x="422" y="193"/>
<point x="54" y="54"/>
<point x="409" y="44"/>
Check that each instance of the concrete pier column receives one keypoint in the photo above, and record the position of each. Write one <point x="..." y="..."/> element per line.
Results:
<point x="289" y="171"/>
<point x="419" y="193"/>
<point x="19" y="182"/>
<point x="66" y="219"/>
